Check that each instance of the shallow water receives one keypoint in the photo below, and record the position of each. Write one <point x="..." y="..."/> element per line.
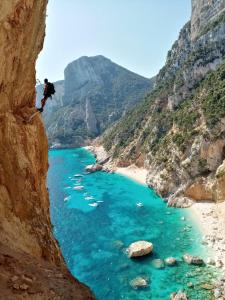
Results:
<point x="94" y="239"/>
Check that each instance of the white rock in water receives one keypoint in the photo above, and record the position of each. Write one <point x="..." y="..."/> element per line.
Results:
<point x="140" y="248"/>
<point x="93" y="168"/>
<point x="138" y="282"/>
<point x="170" y="261"/>
<point x="178" y="296"/>
<point x="193" y="260"/>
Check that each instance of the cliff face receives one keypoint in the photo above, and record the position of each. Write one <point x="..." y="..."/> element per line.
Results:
<point x="96" y="93"/>
<point x="204" y="12"/>
<point x="28" y="252"/>
<point x="179" y="127"/>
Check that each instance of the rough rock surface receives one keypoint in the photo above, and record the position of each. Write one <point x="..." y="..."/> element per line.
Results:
<point x="139" y="282"/>
<point x="204" y="11"/>
<point x="178" y="296"/>
<point x="193" y="260"/>
<point x="29" y="253"/>
<point x="93" y="168"/>
<point x="170" y="261"/>
<point x="140" y="248"/>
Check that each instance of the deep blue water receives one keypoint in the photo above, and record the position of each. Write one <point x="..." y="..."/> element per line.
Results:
<point x="94" y="239"/>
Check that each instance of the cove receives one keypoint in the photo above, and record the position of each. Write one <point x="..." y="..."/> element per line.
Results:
<point x="93" y="239"/>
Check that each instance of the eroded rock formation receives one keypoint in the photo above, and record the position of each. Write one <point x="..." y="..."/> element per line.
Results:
<point x="31" y="266"/>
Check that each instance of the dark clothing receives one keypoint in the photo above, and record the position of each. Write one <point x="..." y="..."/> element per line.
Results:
<point x="46" y="96"/>
<point x="43" y="101"/>
<point x="46" y="90"/>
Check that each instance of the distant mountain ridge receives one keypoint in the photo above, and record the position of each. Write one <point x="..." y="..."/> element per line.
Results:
<point x="94" y="94"/>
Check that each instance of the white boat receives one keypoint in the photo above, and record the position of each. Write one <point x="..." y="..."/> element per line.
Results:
<point x="100" y="201"/>
<point x="78" y="188"/>
<point x="78" y="175"/>
<point x="67" y="198"/>
<point x="89" y="198"/>
<point x="93" y="204"/>
<point x="139" y="204"/>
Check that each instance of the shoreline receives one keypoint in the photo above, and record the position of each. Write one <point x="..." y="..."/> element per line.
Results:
<point x="210" y="220"/>
<point x="206" y="215"/>
<point x="133" y="172"/>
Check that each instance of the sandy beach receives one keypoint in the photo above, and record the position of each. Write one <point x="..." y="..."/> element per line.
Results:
<point x="135" y="173"/>
<point x="209" y="217"/>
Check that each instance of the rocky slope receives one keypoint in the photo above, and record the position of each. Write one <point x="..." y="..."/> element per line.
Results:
<point x="178" y="131"/>
<point x="95" y="93"/>
<point x="31" y="265"/>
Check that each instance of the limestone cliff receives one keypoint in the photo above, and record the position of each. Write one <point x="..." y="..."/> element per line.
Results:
<point x="204" y="12"/>
<point x="94" y="94"/>
<point x="179" y="127"/>
<point x="31" y="266"/>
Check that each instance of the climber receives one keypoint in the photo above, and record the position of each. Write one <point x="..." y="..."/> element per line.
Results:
<point x="49" y="90"/>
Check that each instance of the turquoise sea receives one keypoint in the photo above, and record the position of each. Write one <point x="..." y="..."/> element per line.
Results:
<point x="93" y="239"/>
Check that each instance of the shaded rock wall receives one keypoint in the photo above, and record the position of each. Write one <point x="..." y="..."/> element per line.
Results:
<point x="25" y="228"/>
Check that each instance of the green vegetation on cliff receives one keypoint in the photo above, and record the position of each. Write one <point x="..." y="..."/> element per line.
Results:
<point x="152" y="127"/>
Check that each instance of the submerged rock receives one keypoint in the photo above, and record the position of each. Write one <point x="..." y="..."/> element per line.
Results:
<point x="158" y="264"/>
<point x="140" y="248"/>
<point x="139" y="282"/>
<point x="118" y="244"/>
<point x="170" y="261"/>
<point x="207" y="286"/>
<point x="193" y="260"/>
<point x="178" y="296"/>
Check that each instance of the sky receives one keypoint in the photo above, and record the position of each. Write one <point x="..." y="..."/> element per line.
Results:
<point x="135" y="34"/>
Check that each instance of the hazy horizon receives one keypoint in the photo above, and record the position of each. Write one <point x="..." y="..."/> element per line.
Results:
<point x="135" y="35"/>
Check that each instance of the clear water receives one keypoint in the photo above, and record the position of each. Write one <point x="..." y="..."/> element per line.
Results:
<point x="94" y="239"/>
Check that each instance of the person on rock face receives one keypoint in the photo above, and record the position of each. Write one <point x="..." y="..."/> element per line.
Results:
<point x="49" y="90"/>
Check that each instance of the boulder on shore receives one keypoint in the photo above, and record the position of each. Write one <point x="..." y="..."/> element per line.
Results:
<point x="140" y="248"/>
<point x="178" y="296"/>
<point x="93" y="168"/>
<point x="193" y="260"/>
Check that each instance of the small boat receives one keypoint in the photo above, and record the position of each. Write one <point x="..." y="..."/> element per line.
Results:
<point x="100" y="201"/>
<point x="78" y="175"/>
<point x="67" y="198"/>
<point x="139" y="204"/>
<point x="93" y="204"/>
<point x="89" y="198"/>
<point x="78" y="188"/>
